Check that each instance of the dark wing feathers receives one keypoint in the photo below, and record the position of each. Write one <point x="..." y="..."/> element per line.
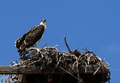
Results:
<point x="30" y="37"/>
<point x="34" y="35"/>
<point x="19" y="42"/>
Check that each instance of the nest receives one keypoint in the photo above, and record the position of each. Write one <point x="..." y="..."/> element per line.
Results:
<point x="51" y="60"/>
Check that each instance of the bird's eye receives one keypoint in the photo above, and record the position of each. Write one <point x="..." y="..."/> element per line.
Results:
<point x="44" y="20"/>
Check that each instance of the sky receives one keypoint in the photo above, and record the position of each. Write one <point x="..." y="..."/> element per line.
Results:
<point x="93" y="23"/>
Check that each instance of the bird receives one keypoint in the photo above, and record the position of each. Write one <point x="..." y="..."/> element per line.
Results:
<point x="31" y="38"/>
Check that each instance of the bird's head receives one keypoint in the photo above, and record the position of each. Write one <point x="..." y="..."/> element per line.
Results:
<point x="43" y="22"/>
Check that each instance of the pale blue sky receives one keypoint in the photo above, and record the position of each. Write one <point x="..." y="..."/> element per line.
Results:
<point x="93" y="23"/>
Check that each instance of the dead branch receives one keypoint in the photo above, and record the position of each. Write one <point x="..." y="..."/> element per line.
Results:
<point x="69" y="73"/>
<point x="67" y="44"/>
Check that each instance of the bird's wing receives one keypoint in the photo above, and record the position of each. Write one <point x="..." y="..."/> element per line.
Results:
<point x="33" y="35"/>
<point x="19" y="41"/>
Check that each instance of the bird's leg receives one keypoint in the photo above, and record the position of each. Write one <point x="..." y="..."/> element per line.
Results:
<point x="36" y="44"/>
<point x="33" y="46"/>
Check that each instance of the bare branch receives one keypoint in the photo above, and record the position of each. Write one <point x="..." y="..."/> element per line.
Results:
<point x="67" y="44"/>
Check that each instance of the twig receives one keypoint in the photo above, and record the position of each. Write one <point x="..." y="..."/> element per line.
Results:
<point x="44" y="45"/>
<point x="97" y="69"/>
<point x="58" y="62"/>
<point x="68" y="73"/>
<point x="67" y="44"/>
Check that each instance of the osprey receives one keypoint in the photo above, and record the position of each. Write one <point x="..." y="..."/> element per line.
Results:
<point x="31" y="38"/>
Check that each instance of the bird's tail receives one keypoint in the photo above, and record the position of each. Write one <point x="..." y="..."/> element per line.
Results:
<point x="22" y="49"/>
